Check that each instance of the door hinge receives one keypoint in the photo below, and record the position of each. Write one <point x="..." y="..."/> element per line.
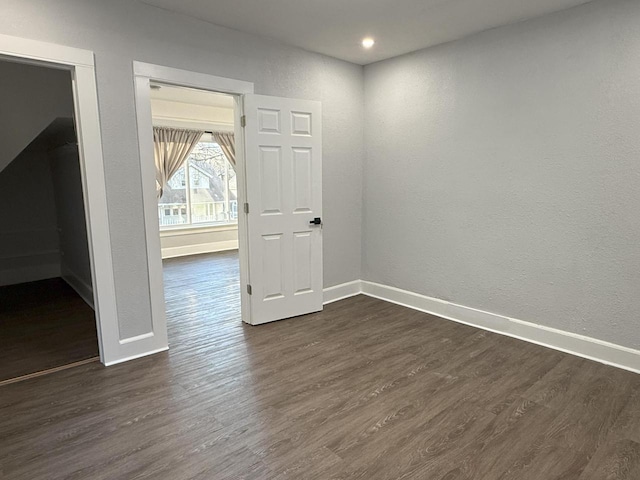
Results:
<point x="243" y="121"/>
<point x="248" y="289"/>
<point x="246" y="208"/>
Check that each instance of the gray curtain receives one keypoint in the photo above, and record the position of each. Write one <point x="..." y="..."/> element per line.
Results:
<point x="227" y="143"/>
<point x="172" y="147"/>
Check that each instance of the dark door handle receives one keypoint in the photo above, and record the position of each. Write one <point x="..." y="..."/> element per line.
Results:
<point x="316" y="221"/>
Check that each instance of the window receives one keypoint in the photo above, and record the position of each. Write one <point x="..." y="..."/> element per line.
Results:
<point x="203" y="192"/>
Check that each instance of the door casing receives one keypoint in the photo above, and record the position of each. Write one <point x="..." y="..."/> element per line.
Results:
<point x="144" y="74"/>
<point x="80" y="63"/>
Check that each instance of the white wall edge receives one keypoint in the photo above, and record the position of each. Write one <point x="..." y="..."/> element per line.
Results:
<point x="133" y="357"/>
<point x="211" y="247"/>
<point x="342" y="291"/>
<point x="81" y="288"/>
<point x="567" y="342"/>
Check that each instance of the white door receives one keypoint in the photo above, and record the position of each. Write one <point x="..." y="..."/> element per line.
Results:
<point x="283" y="157"/>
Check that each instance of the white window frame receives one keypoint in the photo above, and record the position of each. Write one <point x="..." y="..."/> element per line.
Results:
<point x="205" y="225"/>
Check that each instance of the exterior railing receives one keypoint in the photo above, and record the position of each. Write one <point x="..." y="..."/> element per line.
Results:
<point x="171" y="214"/>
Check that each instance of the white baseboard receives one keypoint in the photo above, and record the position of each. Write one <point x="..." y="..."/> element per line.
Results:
<point x="342" y="291"/>
<point x="185" y="250"/>
<point x="572" y="343"/>
<point x="80" y="286"/>
<point x="579" y="345"/>
<point x="29" y="273"/>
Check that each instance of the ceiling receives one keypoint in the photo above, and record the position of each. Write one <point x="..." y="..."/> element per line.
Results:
<point x="181" y="107"/>
<point x="336" y="27"/>
<point x="191" y="96"/>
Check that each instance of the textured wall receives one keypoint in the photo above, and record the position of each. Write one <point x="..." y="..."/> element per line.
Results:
<point x="120" y="31"/>
<point x="503" y="171"/>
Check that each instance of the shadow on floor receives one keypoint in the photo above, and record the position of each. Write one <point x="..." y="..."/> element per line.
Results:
<point x="44" y="325"/>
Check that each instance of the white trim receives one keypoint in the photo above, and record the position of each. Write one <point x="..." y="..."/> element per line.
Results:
<point x="81" y="65"/>
<point x="579" y="345"/>
<point x="42" y="52"/>
<point x="190" y="230"/>
<point x="243" y="218"/>
<point x="342" y="291"/>
<point x="144" y="74"/>
<point x="80" y="286"/>
<point x="186" y="78"/>
<point x="96" y="211"/>
<point x="210" y="247"/>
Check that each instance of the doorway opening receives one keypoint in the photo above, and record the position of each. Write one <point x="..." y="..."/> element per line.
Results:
<point x="197" y="210"/>
<point x="47" y="312"/>
<point x="279" y="186"/>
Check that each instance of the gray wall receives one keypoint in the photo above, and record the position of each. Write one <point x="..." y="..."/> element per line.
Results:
<point x="120" y="31"/>
<point x="30" y="98"/>
<point x="29" y="246"/>
<point x="503" y="171"/>
<point x="72" y="228"/>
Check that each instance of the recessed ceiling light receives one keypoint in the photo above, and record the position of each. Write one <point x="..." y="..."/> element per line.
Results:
<point x="368" y="42"/>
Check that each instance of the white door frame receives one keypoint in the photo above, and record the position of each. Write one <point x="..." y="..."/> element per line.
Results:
<point x="144" y="74"/>
<point x="80" y="63"/>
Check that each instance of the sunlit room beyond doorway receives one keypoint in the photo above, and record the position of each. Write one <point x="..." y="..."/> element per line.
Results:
<point x="197" y="192"/>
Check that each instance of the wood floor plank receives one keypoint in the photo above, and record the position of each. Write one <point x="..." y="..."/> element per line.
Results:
<point x="627" y="425"/>
<point x="44" y="325"/>
<point x="362" y="390"/>
<point x="542" y="461"/>
<point x="588" y="399"/>
<point x="614" y="461"/>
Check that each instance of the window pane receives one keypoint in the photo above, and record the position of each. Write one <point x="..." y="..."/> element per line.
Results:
<point x="172" y="206"/>
<point x="210" y="176"/>
<point x="206" y="193"/>
<point x="233" y="194"/>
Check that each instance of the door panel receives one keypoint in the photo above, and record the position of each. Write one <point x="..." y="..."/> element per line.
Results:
<point x="303" y="259"/>
<point x="302" y="181"/>
<point x="283" y="156"/>
<point x="271" y="180"/>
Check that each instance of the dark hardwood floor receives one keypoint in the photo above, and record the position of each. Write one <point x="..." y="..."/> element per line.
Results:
<point x="43" y="325"/>
<point x="363" y="390"/>
<point x="202" y="296"/>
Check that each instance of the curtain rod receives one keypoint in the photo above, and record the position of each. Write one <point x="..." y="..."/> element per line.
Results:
<point x="219" y="131"/>
<point x="210" y="132"/>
